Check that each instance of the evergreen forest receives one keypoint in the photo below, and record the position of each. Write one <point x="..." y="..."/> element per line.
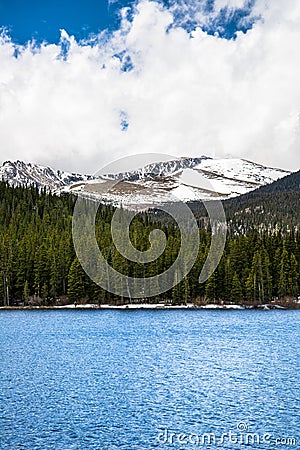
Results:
<point x="38" y="264"/>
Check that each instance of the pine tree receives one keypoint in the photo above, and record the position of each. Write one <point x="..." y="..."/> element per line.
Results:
<point x="236" y="293"/>
<point x="283" y="284"/>
<point x="258" y="284"/>
<point x="293" y="276"/>
<point x="26" y="292"/>
<point x="76" y="282"/>
<point x="288" y="277"/>
<point x="176" y="290"/>
<point x="211" y="288"/>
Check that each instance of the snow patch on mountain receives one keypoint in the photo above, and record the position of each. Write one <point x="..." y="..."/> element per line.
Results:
<point x="158" y="169"/>
<point x="241" y="170"/>
<point x="19" y="173"/>
<point x="184" y="179"/>
<point x="192" y="179"/>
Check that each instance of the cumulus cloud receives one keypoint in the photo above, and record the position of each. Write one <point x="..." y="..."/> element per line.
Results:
<point x="152" y="86"/>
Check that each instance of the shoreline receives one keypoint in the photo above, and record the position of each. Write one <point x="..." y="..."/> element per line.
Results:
<point x="154" y="306"/>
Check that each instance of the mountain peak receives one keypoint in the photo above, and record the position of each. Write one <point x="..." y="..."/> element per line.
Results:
<point x="20" y="173"/>
<point x="185" y="179"/>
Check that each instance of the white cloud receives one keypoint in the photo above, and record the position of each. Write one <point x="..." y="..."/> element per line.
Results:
<point x="185" y="96"/>
<point x="220" y="4"/>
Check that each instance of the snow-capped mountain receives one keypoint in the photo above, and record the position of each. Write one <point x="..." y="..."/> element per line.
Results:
<point x="19" y="173"/>
<point x="158" y="169"/>
<point x="185" y="179"/>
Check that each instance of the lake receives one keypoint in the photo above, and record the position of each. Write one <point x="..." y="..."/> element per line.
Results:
<point x="145" y="379"/>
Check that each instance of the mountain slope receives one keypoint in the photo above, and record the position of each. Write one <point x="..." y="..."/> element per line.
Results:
<point x="272" y="207"/>
<point x="269" y="208"/>
<point x="289" y="183"/>
<point x="19" y="173"/>
<point x="185" y="179"/>
<point x="158" y="169"/>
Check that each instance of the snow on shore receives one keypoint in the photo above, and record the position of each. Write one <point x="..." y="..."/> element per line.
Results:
<point x="149" y="306"/>
<point x="138" y="306"/>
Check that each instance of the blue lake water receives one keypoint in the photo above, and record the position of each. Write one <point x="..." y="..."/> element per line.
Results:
<point x="149" y="379"/>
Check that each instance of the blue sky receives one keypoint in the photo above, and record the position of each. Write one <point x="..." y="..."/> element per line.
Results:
<point x="169" y="76"/>
<point x="42" y="20"/>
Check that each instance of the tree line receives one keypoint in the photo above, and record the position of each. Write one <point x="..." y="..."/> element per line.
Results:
<point x="38" y="264"/>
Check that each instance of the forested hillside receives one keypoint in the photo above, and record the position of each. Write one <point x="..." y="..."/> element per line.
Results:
<point x="289" y="183"/>
<point x="38" y="263"/>
<point x="272" y="208"/>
